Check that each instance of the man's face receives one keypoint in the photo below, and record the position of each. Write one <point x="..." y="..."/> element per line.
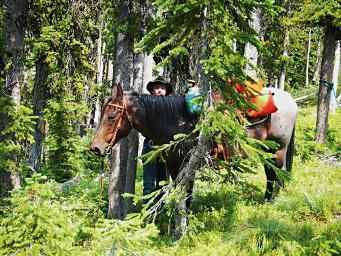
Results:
<point x="159" y="90"/>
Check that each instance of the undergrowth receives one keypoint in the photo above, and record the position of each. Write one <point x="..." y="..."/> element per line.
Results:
<point x="225" y="219"/>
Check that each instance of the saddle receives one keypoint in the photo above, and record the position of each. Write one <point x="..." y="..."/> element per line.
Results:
<point x="258" y="115"/>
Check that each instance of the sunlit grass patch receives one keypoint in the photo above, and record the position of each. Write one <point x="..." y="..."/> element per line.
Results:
<point x="313" y="193"/>
<point x="233" y="219"/>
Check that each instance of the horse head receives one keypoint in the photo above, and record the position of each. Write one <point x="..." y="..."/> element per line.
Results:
<point x="114" y="123"/>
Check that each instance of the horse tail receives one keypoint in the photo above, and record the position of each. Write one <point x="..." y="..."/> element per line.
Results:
<point x="290" y="152"/>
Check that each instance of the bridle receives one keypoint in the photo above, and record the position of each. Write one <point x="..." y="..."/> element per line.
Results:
<point x="118" y="122"/>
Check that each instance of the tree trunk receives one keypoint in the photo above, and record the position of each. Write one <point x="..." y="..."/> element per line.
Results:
<point x="308" y="59"/>
<point x="133" y="138"/>
<point x="325" y="87"/>
<point x="100" y="68"/>
<point x="285" y="54"/>
<point x="116" y="184"/>
<point x="130" y="74"/>
<point x="251" y="52"/>
<point x="317" y="69"/>
<point x="40" y="98"/>
<point x="124" y="76"/>
<point x="147" y="71"/>
<point x="186" y="176"/>
<point x="14" y="47"/>
<point x="336" y="70"/>
<point x="281" y="82"/>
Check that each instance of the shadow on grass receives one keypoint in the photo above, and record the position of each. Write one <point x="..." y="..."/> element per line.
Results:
<point x="251" y="194"/>
<point x="214" y="210"/>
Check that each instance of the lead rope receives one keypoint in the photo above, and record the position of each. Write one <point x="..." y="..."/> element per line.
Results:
<point x="330" y="86"/>
<point x="100" y="180"/>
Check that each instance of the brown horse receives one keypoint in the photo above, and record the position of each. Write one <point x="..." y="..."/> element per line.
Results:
<point x="160" y="118"/>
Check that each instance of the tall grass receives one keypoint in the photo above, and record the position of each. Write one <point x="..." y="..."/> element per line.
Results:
<point x="305" y="219"/>
<point x="225" y="219"/>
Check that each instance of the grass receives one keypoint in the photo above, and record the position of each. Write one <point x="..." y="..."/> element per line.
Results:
<point x="305" y="219"/>
<point x="225" y="219"/>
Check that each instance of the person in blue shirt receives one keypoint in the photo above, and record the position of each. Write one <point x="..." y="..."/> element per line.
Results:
<point x="155" y="171"/>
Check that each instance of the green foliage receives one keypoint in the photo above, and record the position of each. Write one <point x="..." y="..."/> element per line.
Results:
<point x="36" y="223"/>
<point x="176" y="25"/>
<point x="66" y="152"/>
<point x="227" y="220"/>
<point x="40" y="220"/>
<point x="306" y="148"/>
<point x="17" y="135"/>
<point x="60" y="38"/>
<point x="317" y="12"/>
<point x="298" y="58"/>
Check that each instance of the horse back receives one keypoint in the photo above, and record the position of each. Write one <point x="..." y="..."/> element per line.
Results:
<point x="284" y="119"/>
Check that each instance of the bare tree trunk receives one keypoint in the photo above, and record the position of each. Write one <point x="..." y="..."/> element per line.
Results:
<point x="133" y="138"/>
<point x="186" y="176"/>
<point x="251" y="52"/>
<point x="100" y="67"/>
<point x="147" y="71"/>
<point x="40" y="98"/>
<point x="120" y="157"/>
<point x="317" y="69"/>
<point x="14" y="46"/>
<point x="325" y="87"/>
<point x="124" y="76"/>
<point x="281" y="82"/>
<point x="116" y="184"/>
<point x="286" y="43"/>
<point x="129" y="73"/>
<point x="308" y="59"/>
<point x="336" y="70"/>
<point x="194" y="56"/>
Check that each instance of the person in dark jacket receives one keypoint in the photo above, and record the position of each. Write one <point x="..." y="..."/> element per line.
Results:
<point x="155" y="171"/>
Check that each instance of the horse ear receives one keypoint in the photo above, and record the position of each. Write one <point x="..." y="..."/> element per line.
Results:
<point x="117" y="91"/>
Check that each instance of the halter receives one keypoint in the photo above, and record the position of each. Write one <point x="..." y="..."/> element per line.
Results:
<point x="123" y="109"/>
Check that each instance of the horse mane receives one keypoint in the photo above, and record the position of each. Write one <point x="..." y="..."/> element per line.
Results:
<point x="164" y="111"/>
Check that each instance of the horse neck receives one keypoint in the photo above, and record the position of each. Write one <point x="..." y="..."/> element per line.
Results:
<point x="154" y="120"/>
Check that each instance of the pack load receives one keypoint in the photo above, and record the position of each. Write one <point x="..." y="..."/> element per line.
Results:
<point x="261" y="99"/>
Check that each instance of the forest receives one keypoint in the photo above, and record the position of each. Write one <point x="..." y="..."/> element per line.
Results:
<point x="62" y="66"/>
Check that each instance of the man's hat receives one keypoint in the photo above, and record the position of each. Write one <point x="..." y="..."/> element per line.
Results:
<point x="160" y="80"/>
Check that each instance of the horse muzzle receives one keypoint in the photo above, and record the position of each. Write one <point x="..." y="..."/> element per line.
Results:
<point x="98" y="150"/>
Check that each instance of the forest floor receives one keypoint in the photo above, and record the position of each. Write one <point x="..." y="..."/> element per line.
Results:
<point x="226" y="219"/>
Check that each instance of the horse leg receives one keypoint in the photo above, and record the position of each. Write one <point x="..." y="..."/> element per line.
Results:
<point x="273" y="183"/>
<point x="284" y="160"/>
